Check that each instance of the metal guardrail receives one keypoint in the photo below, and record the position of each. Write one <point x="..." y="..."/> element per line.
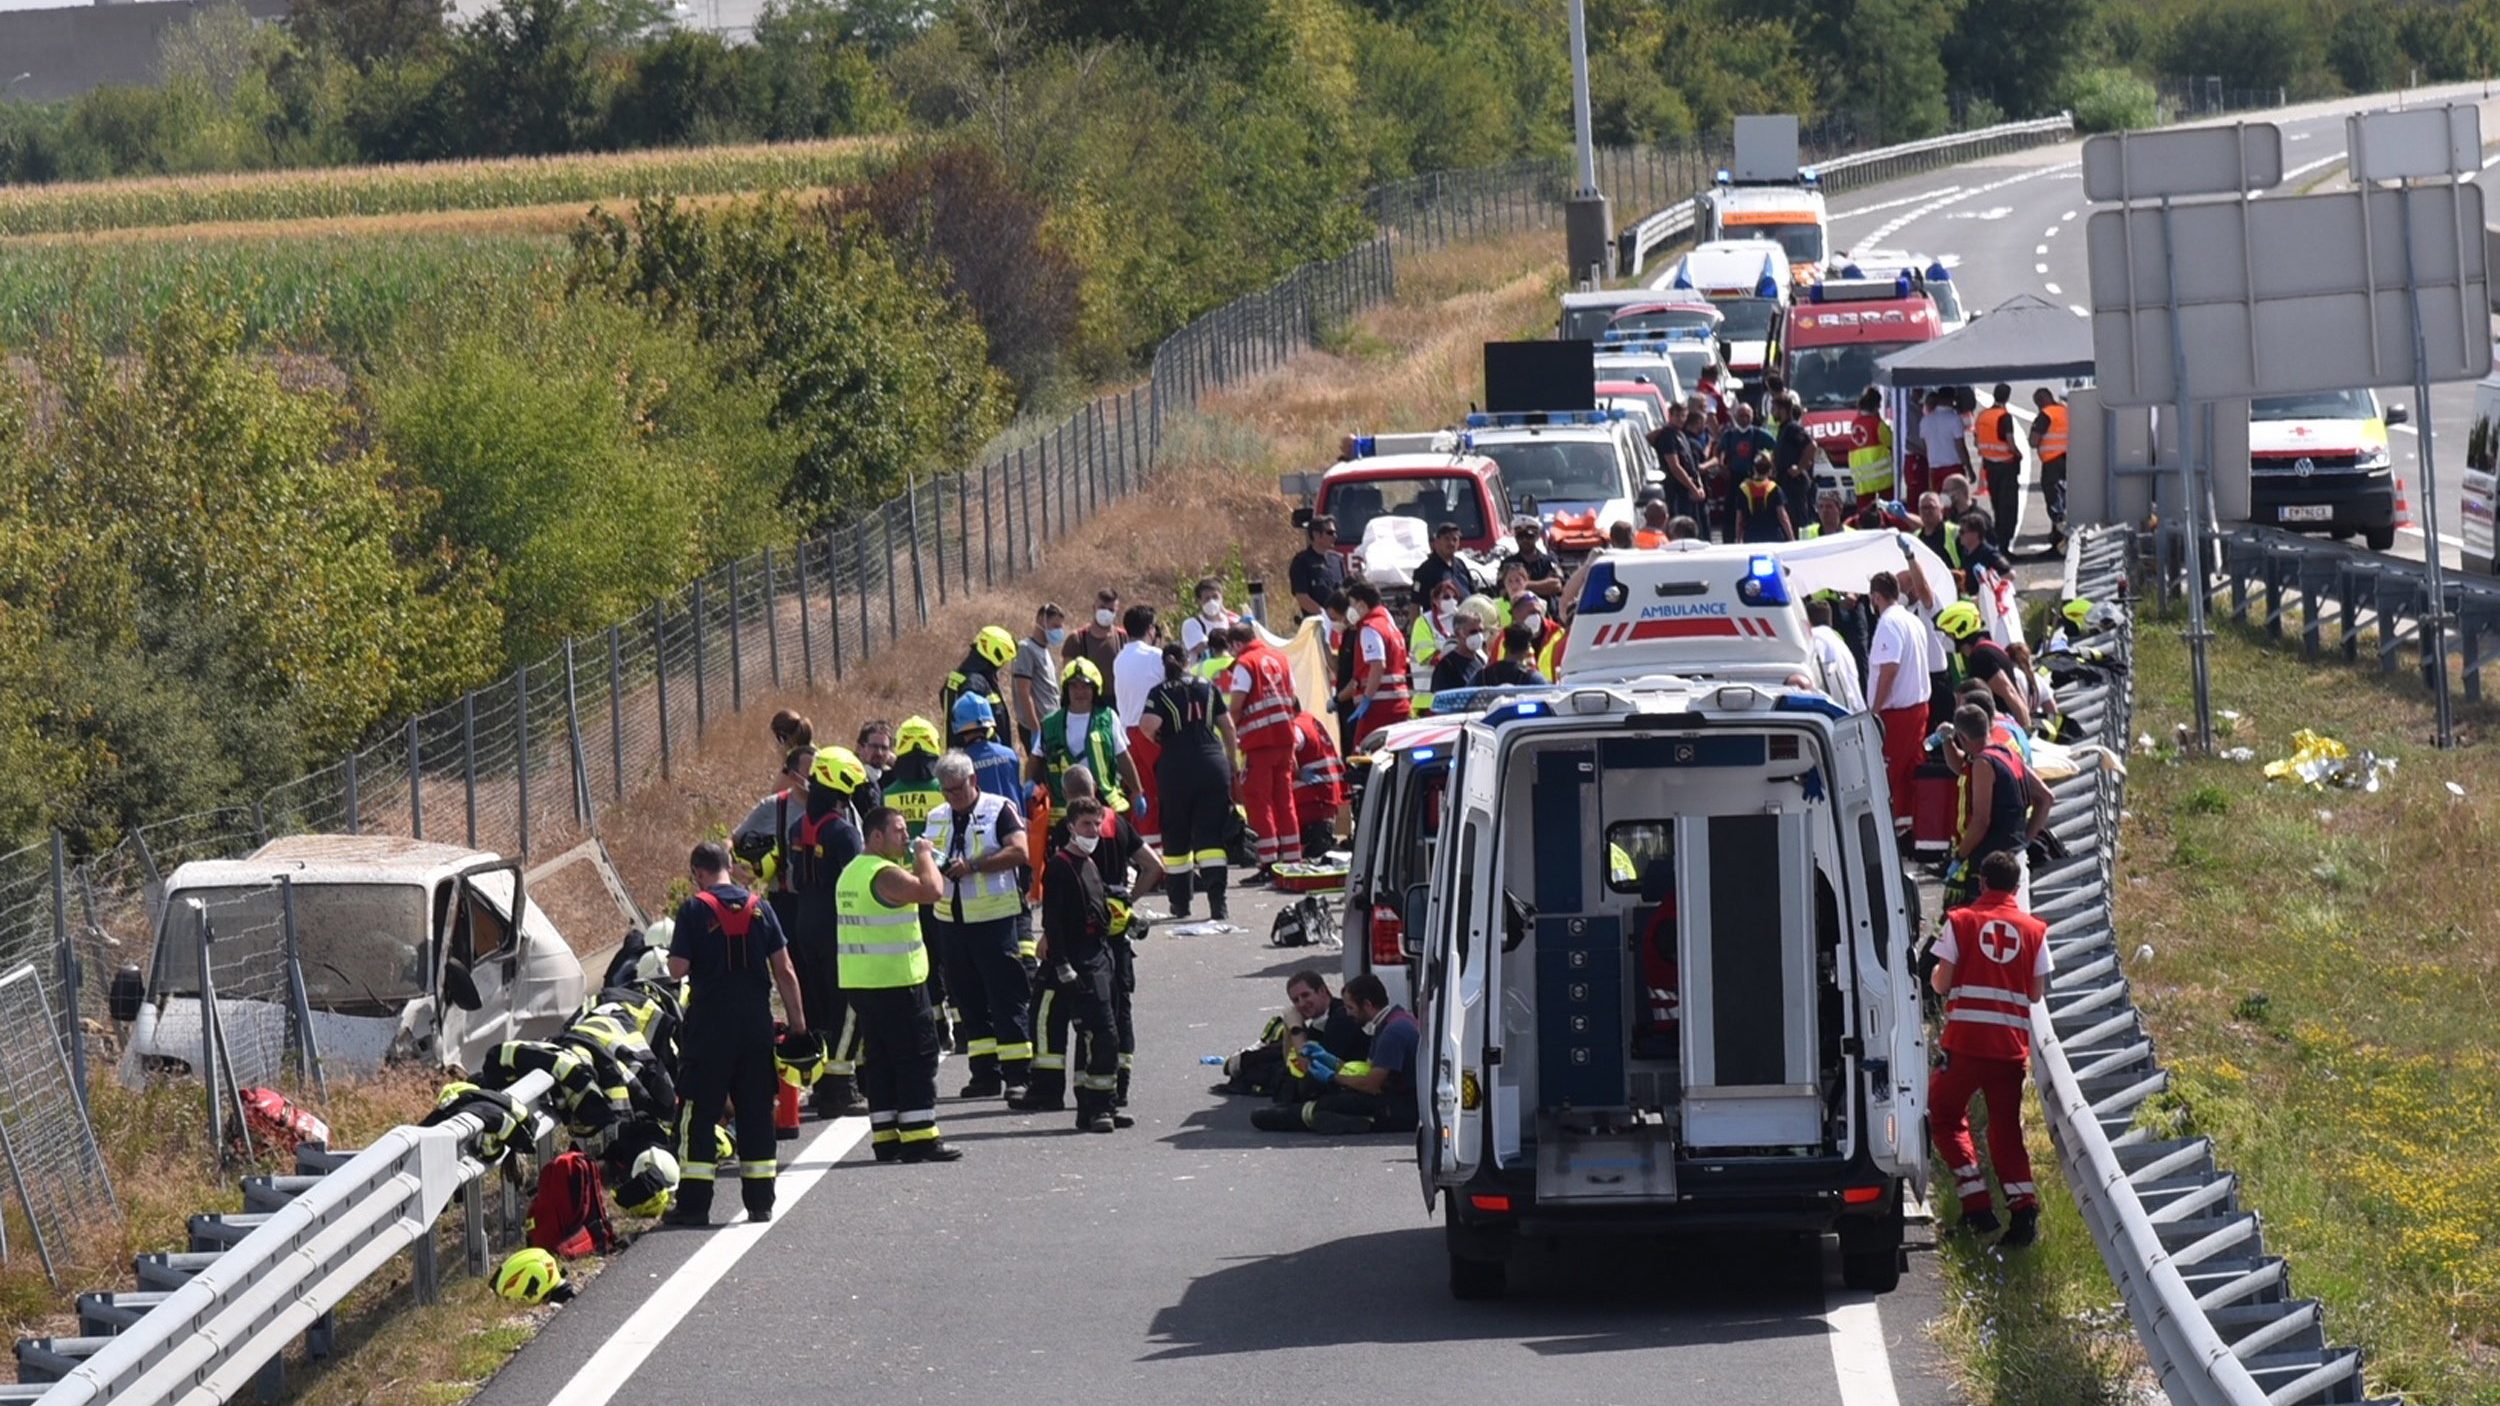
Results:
<point x="2216" y="1314"/>
<point x="282" y="1276"/>
<point x="2368" y="591"/>
<point x="1642" y="237"/>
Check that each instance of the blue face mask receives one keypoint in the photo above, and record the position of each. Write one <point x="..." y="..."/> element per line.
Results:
<point x="1056" y="634"/>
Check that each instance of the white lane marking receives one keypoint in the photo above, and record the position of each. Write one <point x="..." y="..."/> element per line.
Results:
<point x="2078" y="310"/>
<point x="1900" y="222"/>
<point x="1993" y="212"/>
<point x="2050" y="232"/>
<point x="2299" y="136"/>
<point x="2491" y="160"/>
<point x="641" y="1334"/>
<point x="1893" y="204"/>
<point x="2406" y="429"/>
<point x="1859" y="1359"/>
<point x="2306" y="167"/>
<point x="2054" y="290"/>
<point x="2066" y="219"/>
<point x="2039" y="248"/>
<point x="2444" y="539"/>
<point x="2039" y="268"/>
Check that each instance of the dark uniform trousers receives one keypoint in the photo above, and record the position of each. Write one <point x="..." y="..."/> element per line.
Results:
<point x="899" y="1071"/>
<point x="829" y="1013"/>
<point x="1060" y="1012"/>
<point x="728" y="1063"/>
<point x="993" y="994"/>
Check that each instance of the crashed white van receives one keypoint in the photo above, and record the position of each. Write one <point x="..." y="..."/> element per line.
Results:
<point x="409" y="952"/>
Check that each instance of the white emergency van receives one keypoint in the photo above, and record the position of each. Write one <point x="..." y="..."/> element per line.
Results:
<point x="2479" y="506"/>
<point x="1664" y="970"/>
<point x="1767" y="194"/>
<point x="1745" y="279"/>
<point x="1583" y="469"/>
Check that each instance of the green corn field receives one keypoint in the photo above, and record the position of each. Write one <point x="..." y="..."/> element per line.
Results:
<point x="413" y="189"/>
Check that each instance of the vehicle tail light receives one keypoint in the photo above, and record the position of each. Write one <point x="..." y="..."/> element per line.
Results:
<point x="1496" y="1205"/>
<point x="1861" y="1195"/>
<point x="1388" y="938"/>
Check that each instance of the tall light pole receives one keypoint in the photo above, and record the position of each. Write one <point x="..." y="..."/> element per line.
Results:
<point x="1588" y="226"/>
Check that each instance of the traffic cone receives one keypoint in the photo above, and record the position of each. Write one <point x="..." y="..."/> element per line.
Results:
<point x="2404" y="504"/>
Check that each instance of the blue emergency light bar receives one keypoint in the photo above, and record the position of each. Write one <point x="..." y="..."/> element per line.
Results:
<point x="1368" y="446"/>
<point x="1938" y="273"/>
<point x="1826" y="293"/>
<point x="1626" y="336"/>
<point x="1764" y="584"/>
<point x="1513" y="711"/>
<point x="1533" y="419"/>
<point x="1600" y="593"/>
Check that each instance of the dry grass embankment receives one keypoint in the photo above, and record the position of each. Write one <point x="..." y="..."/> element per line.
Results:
<point x="2322" y="982"/>
<point x="1415" y="362"/>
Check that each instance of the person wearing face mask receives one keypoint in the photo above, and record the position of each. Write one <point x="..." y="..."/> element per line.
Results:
<point x="1434" y="632"/>
<point x="1464" y="662"/>
<point x="1033" y="679"/>
<point x="1099" y="641"/>
<point x="1382" y="689"/>
<point x="1202" y="634"/>
<point x="1076" y="947"/>
<point x="1259" y="693"/>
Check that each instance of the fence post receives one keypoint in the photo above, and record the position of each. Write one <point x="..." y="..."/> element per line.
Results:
<point x="893" y="582"/>
<point x="807" y="630"/>
<point x="355" y="809"/>
<point x="867" y="626"/>
<point x="772" y="617"/>
<point x="911" y="516"/>
<point x="937" y="528"/>
<point x="416" y="786"/>
<point x="833" y="595"/>
<point x="659" y="666"/>
<point x="989" y="534"/>
<point x="521" y="727"/>
<point x="701" y="661"/>
<point x="1024" y="487"/>
<point x="208" y="1037"/>
<point x="737" y="651"/>
<point x="73" y="973"/>
<point x="307" y="1044"/>
<point x="468" y="759"/>
<point x="963" y="528"/>
<point x="616" y="709"/>
<point x="583" y="810"/>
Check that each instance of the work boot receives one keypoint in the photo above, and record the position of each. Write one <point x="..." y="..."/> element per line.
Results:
<point x="1977" y="1223"/>
<point x="983" y="1086"/>
<point x="693" y="1210"/>
<point x="1048" y="1093"/>
<point x="887" y="1151"/>
<point x="934" y="1150"/>
<point x="1338" y="1124"/>
<point x="837" y="1096"/>
<point x="1277" y="1118"/>
<point x="2024" y="1232"/>
<point x="1217" y="908"/>
<point x="757" y="1194"/>
<point x="1096" y="1122"/>
<point x="1260" y="877"/>
<point x="1176" y="893"/>
<point x="1122" y="1120"/>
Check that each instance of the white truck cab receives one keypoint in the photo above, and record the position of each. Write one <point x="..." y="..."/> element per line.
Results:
<point x="1745" y="279"/>
<point x="1663" y="967"/>
<point x="408" y="948"/>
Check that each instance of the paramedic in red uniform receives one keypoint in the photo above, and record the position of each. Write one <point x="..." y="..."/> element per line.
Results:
<point x="1318" y="785"/>
<point x="1992" y="962"/>
<point x="1259" y="691"/>
<point x="1382" y="688"/>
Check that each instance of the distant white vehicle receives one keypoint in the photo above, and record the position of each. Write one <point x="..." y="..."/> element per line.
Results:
<point x="1936" y="272"/>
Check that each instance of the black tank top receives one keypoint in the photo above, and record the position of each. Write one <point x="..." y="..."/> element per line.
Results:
<point x="2007" y="815"/>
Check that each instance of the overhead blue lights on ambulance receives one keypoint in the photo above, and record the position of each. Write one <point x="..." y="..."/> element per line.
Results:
<point x="1515" y="710"/>
<point x="1763" y="583"/>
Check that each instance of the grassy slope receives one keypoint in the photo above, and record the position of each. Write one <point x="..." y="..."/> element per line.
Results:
<point x="2322" y="985"/>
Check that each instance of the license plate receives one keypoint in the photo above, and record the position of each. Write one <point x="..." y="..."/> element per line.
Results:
<point x="2307" y="512"/>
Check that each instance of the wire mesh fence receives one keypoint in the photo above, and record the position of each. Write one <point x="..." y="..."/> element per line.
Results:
<point x="55" y="1165"/>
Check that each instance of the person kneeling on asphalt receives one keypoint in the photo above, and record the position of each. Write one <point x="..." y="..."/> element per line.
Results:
<point x="1269" y="1067"/>
<point x="1371" y="1095"/>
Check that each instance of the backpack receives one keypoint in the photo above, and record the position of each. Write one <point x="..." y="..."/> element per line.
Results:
<point x="569" y="1212"/>
<point x="1301" y="924"/>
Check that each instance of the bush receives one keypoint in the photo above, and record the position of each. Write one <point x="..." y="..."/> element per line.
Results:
<point x="877" y="376"/>
<point x="2111" y="100"/>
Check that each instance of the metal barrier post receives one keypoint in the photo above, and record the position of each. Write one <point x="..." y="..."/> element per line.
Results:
<point x="416" y="785"/>
<point x="208" y="1033"/>
<point x="308" y="1050"/>
<point x="73" y="976"/>
<point x="521" y="726"/>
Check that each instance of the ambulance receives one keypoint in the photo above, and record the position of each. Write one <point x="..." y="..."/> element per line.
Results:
<point x="1767" y="195"/>
<point x="1663" y="960"/>
<point x="2479" y="506"/>
<point x="2320" y="463"/>
<point x="1836" y="339"/>
<point x="1742" y="278"/>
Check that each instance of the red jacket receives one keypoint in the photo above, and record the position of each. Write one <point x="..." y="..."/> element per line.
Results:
<point x="1995" y="948"/>
<point x="1318" y="772"/>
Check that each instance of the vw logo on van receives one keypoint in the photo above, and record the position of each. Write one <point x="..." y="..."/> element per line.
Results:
<point x="2304" y="466"/>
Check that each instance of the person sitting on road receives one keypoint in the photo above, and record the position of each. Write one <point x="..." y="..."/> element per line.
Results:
<point x="1319" y="1018"/>
<point x="1375" y="1094"/>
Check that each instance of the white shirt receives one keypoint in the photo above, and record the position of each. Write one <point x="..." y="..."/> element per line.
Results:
<point x="1194" y="632"/>
<point x="1135" y="671"/>
<point x="1941" y="430"/>
<point x="1901" y="639"/>
<point x="1079" y="724"/>
<point x="1840" y="669"/>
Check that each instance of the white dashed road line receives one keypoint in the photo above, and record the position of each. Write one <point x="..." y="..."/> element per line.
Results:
<point x="1893" y="204"/>
<point x="2039" y="268"/>
<point x="2078" y="310"/>
<point x="2054" y="290"/>
<point x="1900" y="222"/>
